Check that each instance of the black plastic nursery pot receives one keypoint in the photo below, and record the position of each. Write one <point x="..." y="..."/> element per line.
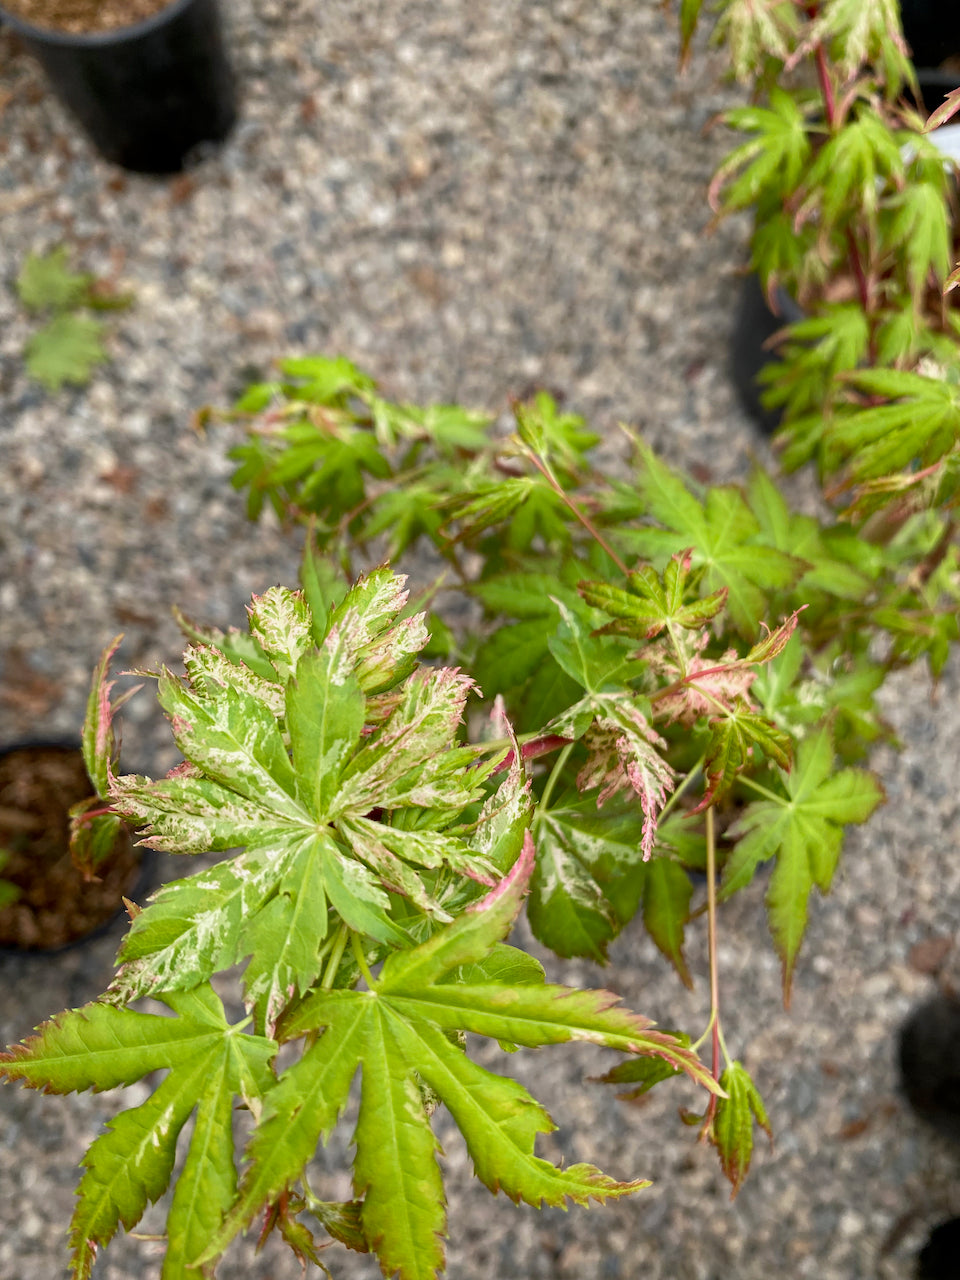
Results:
<point x="750" y="350"/>
<point x="932" y="30"/>
<point x="147" y="95"/>
<point x="929" y="1061"/>
<point x="940" y="1257"/>
<point x="53" y="905"/>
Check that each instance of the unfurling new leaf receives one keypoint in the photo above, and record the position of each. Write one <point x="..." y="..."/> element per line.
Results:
<point x="731" y="1131"/>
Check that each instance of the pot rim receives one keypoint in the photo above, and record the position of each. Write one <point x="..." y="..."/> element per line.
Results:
<point x="94" y="39"/>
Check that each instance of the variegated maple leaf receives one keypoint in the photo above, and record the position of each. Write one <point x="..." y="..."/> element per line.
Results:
<point x="623" y="753"/>
<point x="331" y="761"/>
<point x="700" y="686"/>
<point x="706" y="687"/>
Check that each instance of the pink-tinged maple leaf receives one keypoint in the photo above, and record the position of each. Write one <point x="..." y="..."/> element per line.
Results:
<point x="183" y="770"/>
<point x="710" y="686"/>
<point x="623" y="753"/>
<point x="98" y="740"/>
<point x="713" y="686"/>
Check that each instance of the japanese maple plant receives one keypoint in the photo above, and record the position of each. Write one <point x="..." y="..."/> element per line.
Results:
<point x="669" y="678"/>
<point x="679" y="687"/>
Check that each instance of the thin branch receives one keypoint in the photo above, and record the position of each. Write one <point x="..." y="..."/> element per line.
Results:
<point x="584" y="519"/>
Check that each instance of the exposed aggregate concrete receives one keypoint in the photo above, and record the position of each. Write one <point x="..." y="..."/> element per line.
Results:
<point x="470" y="198"/>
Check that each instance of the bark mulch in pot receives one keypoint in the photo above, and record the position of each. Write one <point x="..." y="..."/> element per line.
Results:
<point x="82" y="17"/>
<point x="55" y="905"/>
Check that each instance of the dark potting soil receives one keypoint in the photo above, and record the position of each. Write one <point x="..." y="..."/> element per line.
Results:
<point x="56" y="905"/>
<point x="82" y="17"/>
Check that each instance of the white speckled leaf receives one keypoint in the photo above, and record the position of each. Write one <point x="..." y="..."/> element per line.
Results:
<point x="208" y="669"/>
<point x="235" y="740"/>
<point x="412" y="761"/>
<point x="192" y="927"/>
<point x="383" y="648"/>
<point x="187" y="814"/>
<point x="280" y="621"/>
<point x="283" y="938"/>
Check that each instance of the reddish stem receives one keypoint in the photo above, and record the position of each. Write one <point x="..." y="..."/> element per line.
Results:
<point x="693" y="676"/>
<point x="826" y="86"/>
<point x="95" y="813"/>
<point x="585" y="520"/>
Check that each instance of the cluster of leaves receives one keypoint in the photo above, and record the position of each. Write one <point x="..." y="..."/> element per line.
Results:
<point x="675" y="662"/>
<point x="367" y="837"/>
<point x="721" y="672"/>
<point x="673" y="673"/>
<point x="69" y="345"/>
<point x="854" y="217"/>
<point x="690" y="680"/>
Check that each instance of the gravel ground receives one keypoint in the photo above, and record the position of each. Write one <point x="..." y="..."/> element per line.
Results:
<point x="469" y="199"/>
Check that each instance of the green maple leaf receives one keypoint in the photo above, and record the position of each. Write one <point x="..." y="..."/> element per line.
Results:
<point x="526" y="594"/>
<point x="780" y="252"/>
<point x="405" y="514"/>
<point x="923" y="422"/>
<point x="920" y="225"/>
<point x="209" y="1063"/>
<point x="514" y="653"/>
<point x="396" y="1034"/>
<point x="851" y="168"/>
<point x="516" y="656"/>
<point x="803" y="828"/>
<point x="596" y="662"/>
<point x="796" y="700"/>
<point x="724" y="535"/>
<point x="341" y="781"/>
<point x="650" y="604"/>
<point x="556" y="438"/>
<point x="451" y="427"/>
<point x="815" y="350"/>
<point x="46" y="283"/>
<point x="774" y="158"/>
<point x="324" y="468"/>
<point x="732" y="1129"/>
<point x="526" y="506"/>
<point x="735" y="740"/>
<point x="838" y="562"/>
<point x="66" y="350"/>
<point x="327" y="380"/>
<point x="489" y="503"/>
